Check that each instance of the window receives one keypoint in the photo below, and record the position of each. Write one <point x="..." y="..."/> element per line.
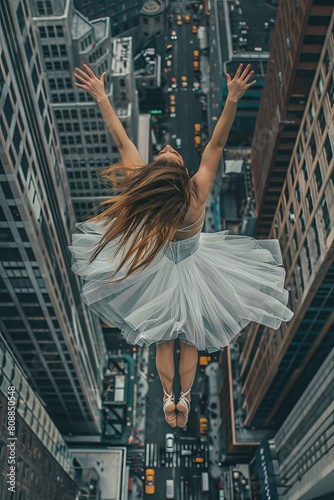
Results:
<point x="51" y="32"/>
<point x="328" y="149"/>
<point x="60" y="31"/>
<point x="145" y="20"/>
<point x="42" y="32"/>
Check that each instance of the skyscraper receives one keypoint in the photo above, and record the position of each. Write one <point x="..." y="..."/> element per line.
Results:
<point x="276" y="365"/>
<point x="57" y="341"/>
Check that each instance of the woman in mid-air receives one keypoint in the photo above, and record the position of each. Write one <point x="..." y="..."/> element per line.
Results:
<point x="150" y="271"/>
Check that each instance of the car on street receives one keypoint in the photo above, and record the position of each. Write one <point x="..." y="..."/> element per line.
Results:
<point x="203" y="360"/>
<point x="196" y="86"/>
<point x="197" y="131"/>
<point x="187" y="18"/>
<point x="196" y="55"/>
<point x="195" y="66"/>
<point x="173" y="82"/>
<point x="184" y="82"/>
<point x="172" y="99"/>
<point x="169" y="63"/>
<point x="203" y="425"/>
<point x="172" y="111"/>
<point x="173" y="35"/>
<point x="194" y="29"/>
<point x="197" y="141"/>
<point x="168" y="46"/>
<point x="169" y="488"/>
<point x="149" y="481"/>
<point x="169" y="440"/>
<point x="179" y="20"/>
<point x="178" y="143"/>
<point x="198" y="460"/>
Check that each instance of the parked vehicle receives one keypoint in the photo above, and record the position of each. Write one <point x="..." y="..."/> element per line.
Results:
<point x="173" y="82"/>
<point x="169" y="439"/>
<point x="173" y="35"/>
<point x="168" y="46"/>
<point x="149" y="481"/>
<point x="197" y="141"/>
<point x="196" y="86"/>
<point x="196" y="55"/>
<point x="194" y="29"/>
<point x="172" y="111"/>
<point x="169" y="488"/>
<point x="205" y="481"/>
<point x="187" y="18"/>
<point x="178" y="143"/>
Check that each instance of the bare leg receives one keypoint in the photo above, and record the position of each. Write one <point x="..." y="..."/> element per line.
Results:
<point x="187" y="370"/>
<point x="164" y="360"/>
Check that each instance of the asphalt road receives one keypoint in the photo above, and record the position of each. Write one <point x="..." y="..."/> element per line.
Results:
<point x="186" y="473"/>
<point x="188" y="106"/>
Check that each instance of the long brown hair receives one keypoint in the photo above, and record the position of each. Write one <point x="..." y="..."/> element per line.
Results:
<point x="153" y="202"/>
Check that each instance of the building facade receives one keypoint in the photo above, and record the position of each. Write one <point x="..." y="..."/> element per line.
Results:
<point x="276" y="365"/>
<point x="300" y="33"/>
<point x="56" y="340"/>
<point x="38" y="450"/>
<point x="304" y="443"/>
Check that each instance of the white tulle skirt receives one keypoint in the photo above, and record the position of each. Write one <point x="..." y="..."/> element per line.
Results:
<point x="203" y="290"/>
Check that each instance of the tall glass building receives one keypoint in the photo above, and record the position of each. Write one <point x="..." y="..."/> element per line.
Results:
<point x="57" y="341"/>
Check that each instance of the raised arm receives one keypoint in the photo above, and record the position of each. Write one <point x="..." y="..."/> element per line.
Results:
<point x="95" y="87"/>
<point x="207" y="171"/>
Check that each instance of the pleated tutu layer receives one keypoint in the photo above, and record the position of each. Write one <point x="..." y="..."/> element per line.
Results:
<point x="204" y="289"/>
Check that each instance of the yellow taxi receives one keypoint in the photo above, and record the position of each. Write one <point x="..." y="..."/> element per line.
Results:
<point x="203" y="360"/>
<point x="199" y="460"/>
<point x="149" y="482"/>
<point x="179" y="20"/>
<point x="197" y="141"/>
<point x="194" y="29"/>
<point x="187" y="18"/>
<point x="203" y="425"/>
<point x="184" y="82"/>
<point x="195" y="66"/>
<point x="196" y="55"/>
<point x="197" y="130"/>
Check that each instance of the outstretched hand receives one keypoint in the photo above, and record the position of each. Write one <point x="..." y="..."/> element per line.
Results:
<point x="238" y="86"/>
<point x="90" y="82"/>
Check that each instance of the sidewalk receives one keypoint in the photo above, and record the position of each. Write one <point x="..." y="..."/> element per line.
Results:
<point x="213" y="373"/>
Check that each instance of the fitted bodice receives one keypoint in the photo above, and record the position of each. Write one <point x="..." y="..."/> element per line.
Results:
<point x="177" y="251"/>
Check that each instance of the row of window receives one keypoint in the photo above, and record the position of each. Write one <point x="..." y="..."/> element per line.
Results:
<point x="52" y="51"/>
<point x="86" y="139"/>
<point x="57" y="65"/>
<point x="51" y="31"/>
<point x="95" y="55"/>
<point x="81" y="151"/>
<point x="85" y="42"/>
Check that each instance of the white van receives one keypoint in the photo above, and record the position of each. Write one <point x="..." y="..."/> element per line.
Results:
<point x="205" y="481"/>
<point x="178" y="143"/>
<point x="169" y="488"/>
